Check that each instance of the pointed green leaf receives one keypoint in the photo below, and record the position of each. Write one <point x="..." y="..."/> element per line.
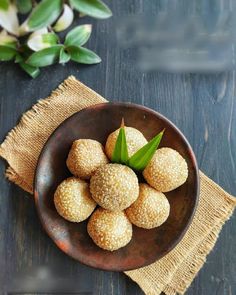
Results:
<point x="143" y="156"/>
<point x="94" y="8"/>
<point x="18" y="58"/>
<point x="83" y="55"/>
<point x="43" y="15"/>
<point x="32" y="71"/>
<point x="45" y="57"/>
<point x="24" y="6"/>
<point x="7" y="53"/>
<point x="64" y="56"/>
<point x="120" y="153"/>
<point x="78" y="36"/>
<point x="4" y="4"/>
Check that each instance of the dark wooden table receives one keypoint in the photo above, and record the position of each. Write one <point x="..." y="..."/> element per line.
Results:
<point x="202" y="106"/>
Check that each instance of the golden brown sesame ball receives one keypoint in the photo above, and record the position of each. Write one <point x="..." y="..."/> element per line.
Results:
<point x="166" y="171"/>
<point x="114" y="186"/>
<point x="110" y="230"/>
<point x="73" y="200"/>
<point x="85" y="156"/>
<point x="150" y="210"/>
<point x="135" y="140"/>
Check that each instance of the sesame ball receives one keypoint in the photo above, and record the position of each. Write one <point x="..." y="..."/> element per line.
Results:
<point x="110" y="230"/>
<point x="73" y="200"/>
<point x="150" y="210"/>
<point x="85" y="156"/>
<point x="166" y="171"/>
<point x="134" y="138"/>
<point x="114" y="186"/>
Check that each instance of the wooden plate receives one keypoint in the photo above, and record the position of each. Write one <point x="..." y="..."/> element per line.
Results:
<point x="97" y="122"/>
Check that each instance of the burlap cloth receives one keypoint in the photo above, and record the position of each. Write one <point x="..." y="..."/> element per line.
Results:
<point x="172" y="274"/>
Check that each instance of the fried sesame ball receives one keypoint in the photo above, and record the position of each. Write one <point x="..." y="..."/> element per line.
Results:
<point x="85" y="156"/>
<point x="134" y="138"/>
<point x="73" y="200"/>
<point x="114" y="186"/>
<point x="150" y="210"/>
<point x="110" y="230"/>
<point x="166" y="171"/>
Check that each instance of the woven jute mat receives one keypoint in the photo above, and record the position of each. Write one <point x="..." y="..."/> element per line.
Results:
<point x="172" y="274"/>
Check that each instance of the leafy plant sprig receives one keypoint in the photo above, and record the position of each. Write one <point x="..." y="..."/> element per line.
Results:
<point x="139" y="160"/>
<point x="46" y="18"/>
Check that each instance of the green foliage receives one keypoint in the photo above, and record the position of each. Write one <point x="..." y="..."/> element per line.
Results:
<point x="4" y="4"/>
<point x="78" y="36"/>
<point x="83" y="55"/>
<point x="45" y="57"/>
<point x="24" y="6"/>
<point x="43" y="47"/>
<point x="141" y="158"/>
<point x="44" y="14"/>
<point x="94" y="8"/>
<point x="7" y="53"/>
<point x="120" y="153"/>
<point x="144" y="155"/>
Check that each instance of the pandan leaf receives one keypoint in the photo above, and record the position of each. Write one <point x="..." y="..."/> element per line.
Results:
<point x="142" y="157"/>
<point x="94" y="8"/>
<point x="120" y="153"/>
<point x="45" y="57"/>
<point x="83" y="55"/>
<point x="78" y="36"/>
<point x="64" y="56"/>
<point x="7" y="53"/>
<point x="32" y="71"/>
<point x="24" y="6"/>
<point x="43" y="15"/>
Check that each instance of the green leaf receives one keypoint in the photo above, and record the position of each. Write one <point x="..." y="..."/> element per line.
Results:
<point x="43" y="15"/>
<point x="94" y="8"/>
<point x="64" y="56"/>
<point x="78" y="36"/>
<point x="120" y="153"/>
<point x="83" y="55"/>
<point x="4" y="4"/>
<point x="7" y="53"/>
<point x="18" y="58"/>
<point x="24" y="6"/>
<point x="32" y="71"/>
<point x="143" y="156"/>
<point x="45" y="57"/>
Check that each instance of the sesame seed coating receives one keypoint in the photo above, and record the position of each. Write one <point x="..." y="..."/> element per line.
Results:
<point x="85" y="156"/>
<point x="166" y="171"/>
<point x="150" y="210"/>
<point x="114" y="186"/>
<point x="73" y="200"/>
<point x="110" y="230"/>
<point x="134" y="138"/>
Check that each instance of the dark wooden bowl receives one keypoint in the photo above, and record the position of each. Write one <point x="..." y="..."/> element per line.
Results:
<point x="146" y="246"/>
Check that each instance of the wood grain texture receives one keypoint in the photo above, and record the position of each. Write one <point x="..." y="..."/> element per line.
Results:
<point x="202" y="106"/>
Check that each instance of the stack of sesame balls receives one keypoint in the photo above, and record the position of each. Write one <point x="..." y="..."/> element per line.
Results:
<point x="122" y="200"/>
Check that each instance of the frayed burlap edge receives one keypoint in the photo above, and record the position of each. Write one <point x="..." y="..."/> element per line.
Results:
<point x="90" y="97"/>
